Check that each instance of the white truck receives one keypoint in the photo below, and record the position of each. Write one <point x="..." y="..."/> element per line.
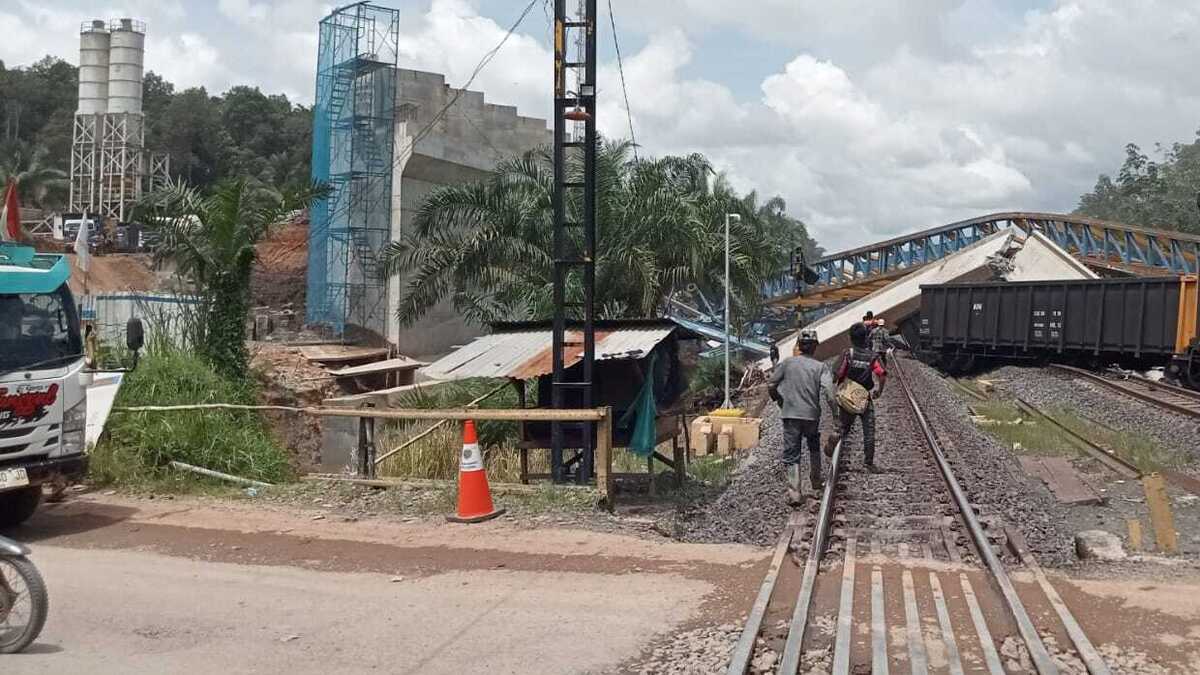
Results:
<point x="43" y="379"/>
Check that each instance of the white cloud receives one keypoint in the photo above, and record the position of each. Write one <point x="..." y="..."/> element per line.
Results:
<point x="883" y="116"/>
<point x="874" y="127"/>
<point x="451" y="38"/>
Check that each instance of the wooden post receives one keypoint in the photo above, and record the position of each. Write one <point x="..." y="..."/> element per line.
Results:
<point x="1135" y="534"/>
<point x="680" y="457"/>
<point x="1160" y="512"/>
<point x="604" y="474"/>
<point x="365" y="461"/>
<point x="523" y="451"/>
<point x="687" y="436"/>
<point x="653" y="489"/>
<point x="371" y="447"/>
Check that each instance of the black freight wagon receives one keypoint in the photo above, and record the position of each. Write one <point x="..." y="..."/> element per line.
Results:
<point x="1138" y="323"/>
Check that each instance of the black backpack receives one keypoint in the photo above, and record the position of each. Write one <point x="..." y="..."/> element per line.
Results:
<point x="861" y="365"/>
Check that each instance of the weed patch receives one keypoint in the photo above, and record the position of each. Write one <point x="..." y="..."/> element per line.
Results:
<point x="1008" y="424"/>
<point x="138" y="446"/>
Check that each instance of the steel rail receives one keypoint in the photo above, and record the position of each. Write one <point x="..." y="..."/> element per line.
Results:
<point x="1087" y="651"/>
<point x="1141" y="388"/>
<point x="1108" y="457"/>
<point x="792" y="649"/>
<point x="743" y="652"/>
<point x="1119" y="465"/>
<point x="1041" y="658"/>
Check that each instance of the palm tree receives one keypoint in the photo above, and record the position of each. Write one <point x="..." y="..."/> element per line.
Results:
<point x="488" y="245"/>
<point x="211" y="238"/>
<point x="35" y="179"/>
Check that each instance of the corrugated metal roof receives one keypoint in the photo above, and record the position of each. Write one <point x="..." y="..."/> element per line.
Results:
<point x="525" y="353"/>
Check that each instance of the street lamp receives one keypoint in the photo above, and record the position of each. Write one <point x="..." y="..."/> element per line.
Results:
<point x="728" y="218"/>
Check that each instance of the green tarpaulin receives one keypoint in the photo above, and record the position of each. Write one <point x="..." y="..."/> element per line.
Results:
<point x="642" y="415"/>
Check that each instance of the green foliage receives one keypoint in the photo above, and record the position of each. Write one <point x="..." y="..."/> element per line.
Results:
<point x="436" y="455"/>
<point x="211" y="238"/>
<point x="1158" y="193"/>
<point x="488" y="245"/>
<point x="243" y="132"/>
<point x="37" y="183"/>
<point x="138" y="446"/>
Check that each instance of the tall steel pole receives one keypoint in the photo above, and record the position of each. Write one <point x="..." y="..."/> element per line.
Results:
<point x="728" y="216"/>
<point x="574" y="238"/>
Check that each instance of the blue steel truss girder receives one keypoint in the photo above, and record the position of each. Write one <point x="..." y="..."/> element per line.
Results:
<point x="1100" y="242"/>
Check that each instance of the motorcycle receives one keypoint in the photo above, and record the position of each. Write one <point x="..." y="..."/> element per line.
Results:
<point x="23" y="598"/>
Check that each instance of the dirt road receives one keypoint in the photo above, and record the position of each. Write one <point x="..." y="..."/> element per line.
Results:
<point x="210" y="587"/>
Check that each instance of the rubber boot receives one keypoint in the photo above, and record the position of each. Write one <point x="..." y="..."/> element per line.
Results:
<point x="869" y="464"/>
<point x="814" y="475"/>
<point x="793" y="482"/>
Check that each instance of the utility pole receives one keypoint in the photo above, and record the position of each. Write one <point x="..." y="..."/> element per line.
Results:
<point x="728" y="308"/>
<point x="574" y="240"/>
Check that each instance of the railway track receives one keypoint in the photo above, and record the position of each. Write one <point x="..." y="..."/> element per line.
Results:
<point x="1171" y="397"/>
<point x="917" y="577"/>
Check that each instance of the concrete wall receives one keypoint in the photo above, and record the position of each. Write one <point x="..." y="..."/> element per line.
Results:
<point x="461" y="147"/>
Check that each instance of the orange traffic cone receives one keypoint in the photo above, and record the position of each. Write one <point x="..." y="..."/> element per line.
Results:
<point x="474" y="496"/>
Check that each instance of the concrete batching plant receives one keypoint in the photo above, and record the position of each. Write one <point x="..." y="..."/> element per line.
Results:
<point x="110" y="167"/>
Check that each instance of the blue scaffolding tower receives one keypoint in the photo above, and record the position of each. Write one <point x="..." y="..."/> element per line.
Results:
<point x="353" y="139"/>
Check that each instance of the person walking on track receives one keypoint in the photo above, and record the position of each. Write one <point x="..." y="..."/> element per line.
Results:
<point x="860" y="367"/>
<point x="799" y="385"/>
<point x="879" y="340"/>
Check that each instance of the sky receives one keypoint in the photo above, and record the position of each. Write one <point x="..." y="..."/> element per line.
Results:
<point x="871" y="118"/>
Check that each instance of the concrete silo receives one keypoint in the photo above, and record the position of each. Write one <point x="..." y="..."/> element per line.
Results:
<point x="123" y="137"/>
<point x="126" y="56"/>
<point x="89" y="114"/>
<point x="110" y="167"/>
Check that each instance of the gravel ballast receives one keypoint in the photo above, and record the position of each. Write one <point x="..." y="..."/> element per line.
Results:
<point x="1041" y="387"/>
<point x="752" y="509"/>
<point x="990" y="473"/>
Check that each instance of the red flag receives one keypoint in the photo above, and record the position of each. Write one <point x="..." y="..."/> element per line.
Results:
<point x="10" y="223"/>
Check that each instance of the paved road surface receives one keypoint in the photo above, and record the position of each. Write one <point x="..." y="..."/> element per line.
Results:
<point x="133" y="612"/>
<point x="159" y="587"/>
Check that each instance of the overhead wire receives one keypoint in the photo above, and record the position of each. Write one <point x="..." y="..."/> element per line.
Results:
<point x="621" y="69"/>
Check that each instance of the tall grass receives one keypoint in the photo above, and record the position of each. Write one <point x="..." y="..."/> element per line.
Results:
<point x="138" y="446"/>
<point x="436" y="455"/>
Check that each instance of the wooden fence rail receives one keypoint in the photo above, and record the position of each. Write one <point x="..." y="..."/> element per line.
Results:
<point x="366" y="461"/>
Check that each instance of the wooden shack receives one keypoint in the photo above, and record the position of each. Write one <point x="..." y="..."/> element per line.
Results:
<point x="627" y="352"/>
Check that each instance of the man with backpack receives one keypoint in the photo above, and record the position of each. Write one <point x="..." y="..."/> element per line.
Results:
<point x="800" y="385"/>
<point x="856" y="376"/>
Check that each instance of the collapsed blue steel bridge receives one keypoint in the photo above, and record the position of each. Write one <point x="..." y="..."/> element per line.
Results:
<point x="1111" y="248"/>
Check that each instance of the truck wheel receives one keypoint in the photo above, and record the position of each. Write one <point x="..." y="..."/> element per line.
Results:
<point x="17" y="505"/>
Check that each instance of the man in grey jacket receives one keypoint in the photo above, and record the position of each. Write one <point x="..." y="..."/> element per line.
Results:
<point x="799" y="384"/>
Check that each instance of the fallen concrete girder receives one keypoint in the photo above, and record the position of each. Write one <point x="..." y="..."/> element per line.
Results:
<point x="1009" y="254"/>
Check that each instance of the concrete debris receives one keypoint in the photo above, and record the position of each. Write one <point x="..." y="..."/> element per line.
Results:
<point x="1000" y="265"/>
<point x="1098" y="545"/>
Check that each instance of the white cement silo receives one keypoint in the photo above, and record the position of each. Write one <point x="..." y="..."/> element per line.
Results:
<point x="126" y="56"/>
<point x="93" y="68"/>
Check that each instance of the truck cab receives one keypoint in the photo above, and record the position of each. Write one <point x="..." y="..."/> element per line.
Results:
<point x="43" y="380"/>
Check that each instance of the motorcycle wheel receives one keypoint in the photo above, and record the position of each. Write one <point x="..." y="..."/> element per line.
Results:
<point x="23" y="604"/>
